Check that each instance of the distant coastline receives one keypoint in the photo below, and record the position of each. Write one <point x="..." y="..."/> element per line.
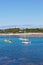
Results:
<point x="22" y="34"/>
<point x="18" y="32"/>
<point x="23" y="30"/>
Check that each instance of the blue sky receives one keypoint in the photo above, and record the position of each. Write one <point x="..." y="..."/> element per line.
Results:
<point x="21" y="12"/>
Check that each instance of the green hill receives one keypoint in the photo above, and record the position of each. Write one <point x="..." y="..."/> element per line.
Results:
<point x="18" y="30"/>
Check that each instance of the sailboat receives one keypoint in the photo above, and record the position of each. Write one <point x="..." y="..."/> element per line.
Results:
<point x="24" y="39"/>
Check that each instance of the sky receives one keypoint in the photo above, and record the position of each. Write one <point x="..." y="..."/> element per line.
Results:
<point x="21" y="12"/>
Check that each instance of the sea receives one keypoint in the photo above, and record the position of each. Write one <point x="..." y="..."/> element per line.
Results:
<point x="18" y="53"/>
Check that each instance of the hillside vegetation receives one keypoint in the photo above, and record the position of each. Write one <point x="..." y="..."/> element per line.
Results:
<point x="18" y="30"/>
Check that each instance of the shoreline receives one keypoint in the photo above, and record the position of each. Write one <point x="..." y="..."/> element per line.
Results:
<point x="22" y="34"/>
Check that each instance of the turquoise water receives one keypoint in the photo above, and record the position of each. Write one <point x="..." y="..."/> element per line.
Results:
<point x="18" y="53"/>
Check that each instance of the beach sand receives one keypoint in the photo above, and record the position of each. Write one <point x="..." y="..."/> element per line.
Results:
<point x="22" y="34"/>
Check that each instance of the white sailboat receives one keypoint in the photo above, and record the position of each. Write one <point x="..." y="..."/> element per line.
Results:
<point x="24" y="39"/>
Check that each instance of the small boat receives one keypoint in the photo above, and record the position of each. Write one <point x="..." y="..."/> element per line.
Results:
<point x="7" y="41"/>
<point x="26" y="42"/>
<point x="23" y="39"/>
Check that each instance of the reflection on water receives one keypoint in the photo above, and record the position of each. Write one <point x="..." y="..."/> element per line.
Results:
<point x="18" y="53"/>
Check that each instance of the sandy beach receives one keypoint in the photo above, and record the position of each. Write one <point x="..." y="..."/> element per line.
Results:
<point x="22" y="34"/>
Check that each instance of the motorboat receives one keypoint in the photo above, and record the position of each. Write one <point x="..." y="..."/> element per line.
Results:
<point x="7" y="41"/>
